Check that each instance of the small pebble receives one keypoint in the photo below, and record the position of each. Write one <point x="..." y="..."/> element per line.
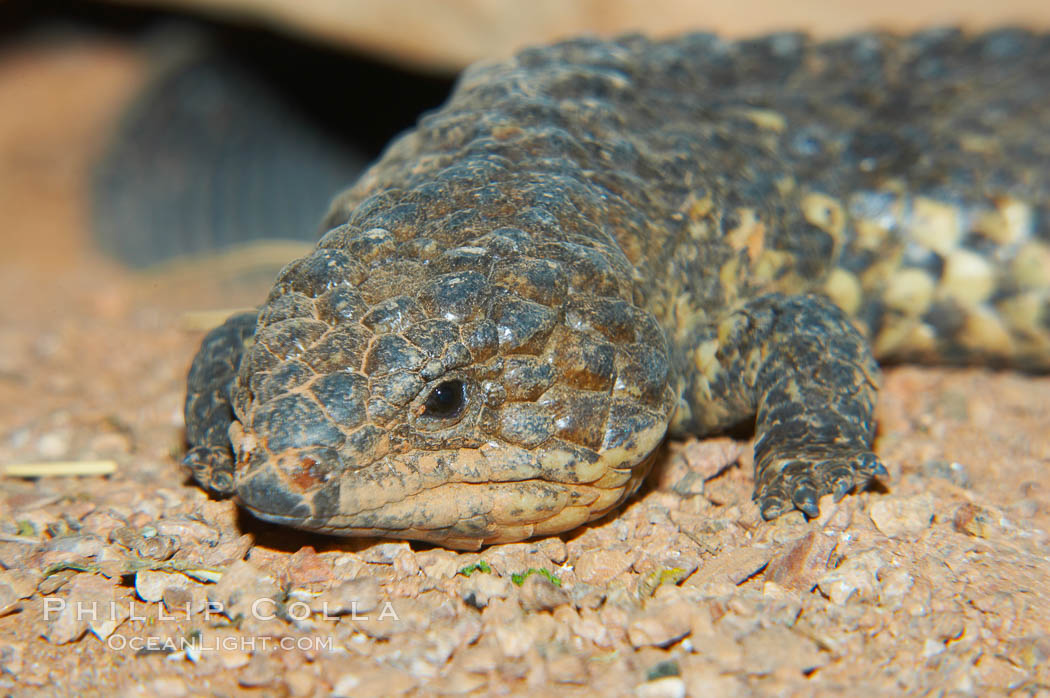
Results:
<point x="898" y="517"/>
<point x="660" y="624"/>
<point x="353" y="597"/>
<point x="600" y="566"/>
<point x="150" y="584"/>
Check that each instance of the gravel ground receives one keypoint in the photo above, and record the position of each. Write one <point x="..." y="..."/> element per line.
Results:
<point x="938" y="582"/>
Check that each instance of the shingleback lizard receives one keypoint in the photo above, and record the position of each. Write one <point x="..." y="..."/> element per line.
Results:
<point x="598" y="243"/>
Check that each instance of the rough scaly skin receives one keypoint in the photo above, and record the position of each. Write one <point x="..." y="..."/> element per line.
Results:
<point x="595" y="243"/>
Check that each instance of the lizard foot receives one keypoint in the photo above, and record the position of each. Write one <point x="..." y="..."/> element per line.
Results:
<point x="798" y="482"/>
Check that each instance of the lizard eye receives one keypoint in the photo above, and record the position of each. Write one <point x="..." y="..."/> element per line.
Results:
<point x="446" y="400"/>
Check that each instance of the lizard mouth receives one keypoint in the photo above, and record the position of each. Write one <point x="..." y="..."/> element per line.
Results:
<point x="459" y="498"/>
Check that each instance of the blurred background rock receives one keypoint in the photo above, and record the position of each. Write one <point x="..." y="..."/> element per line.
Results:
<point x="157" y="130"/>
<point x="444" y="36"/>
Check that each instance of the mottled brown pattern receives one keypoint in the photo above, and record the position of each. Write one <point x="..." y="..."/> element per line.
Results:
<point x="596" y="242"/>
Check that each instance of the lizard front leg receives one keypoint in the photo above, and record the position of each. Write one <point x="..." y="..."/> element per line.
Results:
<point x="803" y="370"/>
<point x="208" y="410"/>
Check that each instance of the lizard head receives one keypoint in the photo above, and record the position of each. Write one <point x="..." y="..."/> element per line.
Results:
<point x="497" y="390"/>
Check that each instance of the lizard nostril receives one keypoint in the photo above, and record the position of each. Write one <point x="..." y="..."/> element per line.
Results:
<point x="446" y="401"/>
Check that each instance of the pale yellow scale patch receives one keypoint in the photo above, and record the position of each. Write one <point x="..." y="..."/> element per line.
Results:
<point x="785" y="185"/>
<point x="907" y="334"/>
<point x="1031" y="267"/>
<point x="700" y="230"/>
<point x="607" y="499"/>
<point x="910" y="291"/>
<point x="871" y="235"/>
<point x="983" y="332"/>
<point x="686" y="316"/>
<point x="632" y="247"/>
<point x="921" y="339"/>
<point x="565" y="520"/>
<point x="935" y="225"/>
<point x="765" y="119"/>
<point x="715" y="414"/>
<point x="826" y="213"/>
<point x="756" y="358"/>
<point x="728" y="327"/>
<point x="1023" y="312"/>
<point x="699" y="209"/>
<point x="844" y="290"/>
<point x="1010" y="222"/>
<point x="977" y="143"/>
<point x="750" y="235"/>
<point x="644" y="443"/>
<point x="708" y="368"/>
<point x="968" y="277"/>
<point x="515" y="506"/>
<point x="244" y="443"/>
<point x="562" y="461"/>
<point x="729" y="275"/>
<point x="769" y="264"/>
<point x="615" y="466"/>
<point x="706" y="361"/>
<point x="896" y="335"/>
<point x="874" y="233"/>
<point x="590" y="502"/>
<point x="613" y="479"/>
